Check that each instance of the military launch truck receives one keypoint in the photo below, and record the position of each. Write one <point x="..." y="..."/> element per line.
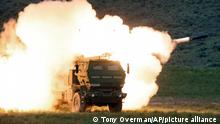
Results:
<point x="95" y="81"/>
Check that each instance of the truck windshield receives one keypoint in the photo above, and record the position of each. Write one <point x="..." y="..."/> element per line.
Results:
<point x="97" y="67"/>
<point x="113" y="67"/>
<point x="106" y="67"/>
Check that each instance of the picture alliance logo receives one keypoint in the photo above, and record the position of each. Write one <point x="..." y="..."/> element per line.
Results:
<point x="195" y="119"/>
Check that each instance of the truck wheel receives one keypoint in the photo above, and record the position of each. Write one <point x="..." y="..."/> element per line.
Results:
<point x="76" y="104"/>
<point x="115" y="107"/>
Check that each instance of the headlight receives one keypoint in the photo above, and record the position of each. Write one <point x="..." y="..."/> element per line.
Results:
<point x="119" y="95"/>
<point x="93" y="95"/>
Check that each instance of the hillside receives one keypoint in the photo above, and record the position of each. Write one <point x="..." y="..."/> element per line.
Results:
<point x="180" y="18"/>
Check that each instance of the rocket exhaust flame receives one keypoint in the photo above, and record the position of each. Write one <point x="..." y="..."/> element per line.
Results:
<point x="47" y="36"/>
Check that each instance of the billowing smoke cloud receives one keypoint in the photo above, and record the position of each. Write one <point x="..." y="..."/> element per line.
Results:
<point x="42" y="44"/>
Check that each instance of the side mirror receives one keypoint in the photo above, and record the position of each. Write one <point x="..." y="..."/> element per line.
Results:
<point x="128" y="68"/>
<point x="77" y="68"/>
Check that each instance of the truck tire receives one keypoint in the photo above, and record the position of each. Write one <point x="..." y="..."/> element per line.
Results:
<point x="115" y="107"/>
<point x="76" y="104"/>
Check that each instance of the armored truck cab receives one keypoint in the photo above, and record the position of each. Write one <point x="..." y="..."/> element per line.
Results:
<point x="95" y="81"/>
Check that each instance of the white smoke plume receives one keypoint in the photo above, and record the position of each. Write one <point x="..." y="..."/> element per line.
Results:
<point x="46" y="37"/>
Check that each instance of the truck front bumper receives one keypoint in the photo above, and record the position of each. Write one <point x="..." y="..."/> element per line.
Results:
<point x="104" y="98"/>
